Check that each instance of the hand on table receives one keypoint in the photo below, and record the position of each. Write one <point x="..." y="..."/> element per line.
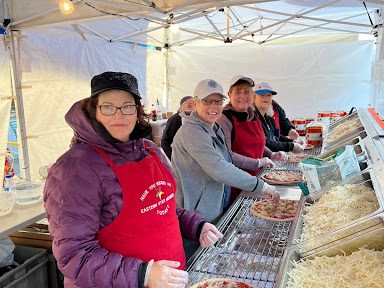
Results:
<point x="209" y="235"/>
<point x="271" y="192"/>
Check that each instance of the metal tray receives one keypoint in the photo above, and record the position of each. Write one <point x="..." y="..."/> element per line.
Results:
<point x="345" y="141"/>
<point x="368" y="233"/>
<point x="357" y="142"/>
<point x="336" y="123"/>
<point x="352" y="133"/>
<point x="250" y="251"/>
<point x="366" y="178"/>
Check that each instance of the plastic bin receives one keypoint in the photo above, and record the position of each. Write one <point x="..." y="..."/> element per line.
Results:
<point x="28" y="192"/>
<point x="32" y="271"/>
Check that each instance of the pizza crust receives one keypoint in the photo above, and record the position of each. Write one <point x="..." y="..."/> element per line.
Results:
<point x="272" y="177"/>
<point x="219" y="283"/>
<point x="297" y="158"/>
<point x="269" y="203"/>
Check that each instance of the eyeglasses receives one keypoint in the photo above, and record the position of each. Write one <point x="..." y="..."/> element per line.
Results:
<point x="109" y="110"/>
<point x="207" y="102"/>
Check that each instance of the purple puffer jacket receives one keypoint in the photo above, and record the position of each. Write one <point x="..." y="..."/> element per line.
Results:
<point x="82" y="195"/>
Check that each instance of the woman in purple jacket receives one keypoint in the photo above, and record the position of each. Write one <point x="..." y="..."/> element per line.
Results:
<point x="110" y="199"/>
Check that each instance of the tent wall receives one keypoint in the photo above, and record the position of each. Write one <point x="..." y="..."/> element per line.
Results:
<point x="57" y="71"/>
<point x="308" y="78"/>
<point x="5" y="106"/>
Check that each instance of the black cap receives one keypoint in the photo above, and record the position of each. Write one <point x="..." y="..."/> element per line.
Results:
<point x="114" y="80"/>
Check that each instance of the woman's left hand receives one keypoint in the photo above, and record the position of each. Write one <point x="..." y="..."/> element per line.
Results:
<point x="209" y="235"/>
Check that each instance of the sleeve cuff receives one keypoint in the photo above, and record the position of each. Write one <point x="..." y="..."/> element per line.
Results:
<point x="198" y="231"/>
<point x="141" y="276"/>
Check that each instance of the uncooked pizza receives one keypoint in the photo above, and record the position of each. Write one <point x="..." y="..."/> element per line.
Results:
<point x="221" y="283"/>
<point x="296" y="158"/>
<point x="284" y="210"/>
<point x="282" y="177"/>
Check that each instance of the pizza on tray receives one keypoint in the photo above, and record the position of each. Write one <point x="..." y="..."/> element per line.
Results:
<point x="282" y="177"/>
<point x="296" y="158"/>
<point x="284" y="210"/>
<point x="221" y="283"/>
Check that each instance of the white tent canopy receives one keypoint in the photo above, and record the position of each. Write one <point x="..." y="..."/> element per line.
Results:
<point x="311" y="53"/>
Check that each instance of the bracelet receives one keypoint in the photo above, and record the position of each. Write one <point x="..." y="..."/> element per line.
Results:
<point x="149" y="265"/>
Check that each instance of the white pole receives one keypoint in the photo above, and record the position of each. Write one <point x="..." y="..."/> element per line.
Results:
<point x="166" y="62"/>
<point x="19" y="106"/>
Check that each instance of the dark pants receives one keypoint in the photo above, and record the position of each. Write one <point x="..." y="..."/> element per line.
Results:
<point x="190" y="247"/>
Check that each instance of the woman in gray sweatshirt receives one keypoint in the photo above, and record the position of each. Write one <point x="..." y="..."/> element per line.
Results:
<point x="202" y="162"/>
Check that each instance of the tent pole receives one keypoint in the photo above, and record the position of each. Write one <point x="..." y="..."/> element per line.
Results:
<point x="292" y="16"/>
<point x="19" y="106"/>
<point x="228" y="12"/>
<point x="137" y="33"/>
<point x="166" y="67"/>
<point x="214" y="26"/>
<point x="312" y="27"/>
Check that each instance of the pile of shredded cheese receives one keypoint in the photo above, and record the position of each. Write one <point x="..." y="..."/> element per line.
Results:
<point x="343" y="129"/>
<point x="362" y="269"/>
<point x="341" y="205"/>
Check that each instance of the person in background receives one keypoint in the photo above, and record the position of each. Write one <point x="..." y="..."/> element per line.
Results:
<point x="243" y="131"/>
<point x="174" y="123"/>
<point x="110" y="199"/>
<point x="284" y="124"/>
<point x="264" y="111"/>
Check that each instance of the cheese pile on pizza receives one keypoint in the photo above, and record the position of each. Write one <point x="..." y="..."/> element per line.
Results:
<point x="221" y="283"/>
<point x="284" y="210"/>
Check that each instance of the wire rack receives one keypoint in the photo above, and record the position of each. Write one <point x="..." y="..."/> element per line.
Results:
<point x="250" y="251"/>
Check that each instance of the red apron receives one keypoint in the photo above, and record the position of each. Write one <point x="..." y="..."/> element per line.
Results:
<point x="249" y="141"/>
<point x="276" y="118"/>
<point x="147" y="226"/>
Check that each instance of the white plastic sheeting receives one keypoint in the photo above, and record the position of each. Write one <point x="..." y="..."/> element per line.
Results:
<point x="59" y="69"/>
<point x="5" y="107"/>
<point x="308" y="78"/>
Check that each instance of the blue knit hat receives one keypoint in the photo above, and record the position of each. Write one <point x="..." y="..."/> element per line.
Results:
<point x="185" y="99"/>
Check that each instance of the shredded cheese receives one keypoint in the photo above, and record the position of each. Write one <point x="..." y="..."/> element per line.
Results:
<point x="362" y="269"/>
<point x="341" y="205"/>
<point x="343" y="129"/>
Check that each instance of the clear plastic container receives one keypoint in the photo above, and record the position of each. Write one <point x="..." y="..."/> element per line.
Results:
<point x="364" y="234"/>
<point x="29" y="192"/>
<point x="7" y="201"/>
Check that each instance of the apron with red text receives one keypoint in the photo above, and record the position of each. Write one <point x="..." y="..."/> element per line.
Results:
<point x="147" y="226"/>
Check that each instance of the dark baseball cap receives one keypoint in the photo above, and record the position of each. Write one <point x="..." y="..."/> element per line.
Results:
<point x="114" y="80"/>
